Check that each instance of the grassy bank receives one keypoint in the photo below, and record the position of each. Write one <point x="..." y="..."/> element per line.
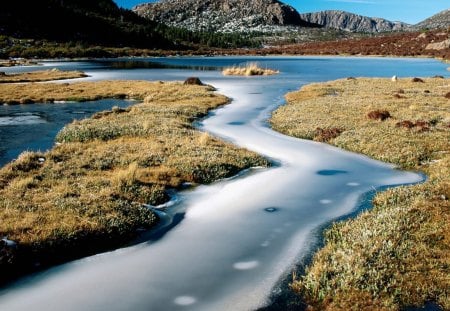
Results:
<point x="40" y="76"/>
<point x="87" y="193"/>
<point x="250" y="69"/>
<point x="398" y="253"/>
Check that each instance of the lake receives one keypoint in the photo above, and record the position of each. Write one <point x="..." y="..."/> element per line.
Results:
<point x="224" y="246"/>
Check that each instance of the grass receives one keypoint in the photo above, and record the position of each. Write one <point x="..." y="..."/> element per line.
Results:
<point x="25" y="93"/>
<point x="40" y="76"/>
<point x="92" y="185"/>
<point x="250" y="69"/>
<point x="398" y="253"/>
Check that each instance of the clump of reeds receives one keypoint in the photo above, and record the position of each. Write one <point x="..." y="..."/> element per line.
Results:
<point x="250" y="69"/>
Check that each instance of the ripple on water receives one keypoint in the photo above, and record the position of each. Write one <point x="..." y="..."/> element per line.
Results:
<point x="236" y="123"/>
<point x="185" y="300"/>
<point x="246" y="265"/>
<point x="21" y="119"/>
<point x="353" y="184"/>
<point x="331" y="172"/>
<point x="271" y="209"/>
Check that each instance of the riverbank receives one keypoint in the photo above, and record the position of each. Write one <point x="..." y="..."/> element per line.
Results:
<point x="88" y="193"/>
<point x="40" y="76"/>
<point x="396" y="254"/>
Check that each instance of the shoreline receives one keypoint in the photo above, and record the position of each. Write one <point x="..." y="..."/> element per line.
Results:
<point x="125" y="179"/>
<point x="310" y="99"/>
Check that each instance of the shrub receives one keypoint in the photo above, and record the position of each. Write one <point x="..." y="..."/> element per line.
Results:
<point x="325" y="135"/>
<point x="379" y="115"/>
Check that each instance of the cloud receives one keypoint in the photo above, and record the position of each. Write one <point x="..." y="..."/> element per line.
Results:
<point x="353" y="1"/>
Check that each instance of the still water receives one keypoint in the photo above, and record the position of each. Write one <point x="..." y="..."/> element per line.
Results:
<point x="234" y="240"/>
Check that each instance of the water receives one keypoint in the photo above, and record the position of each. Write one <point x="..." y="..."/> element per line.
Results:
<point x="34" y="127"/>
<point x="235" y="239"/>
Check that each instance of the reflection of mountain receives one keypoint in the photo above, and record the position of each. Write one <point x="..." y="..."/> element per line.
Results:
<point x="96" y="22"/>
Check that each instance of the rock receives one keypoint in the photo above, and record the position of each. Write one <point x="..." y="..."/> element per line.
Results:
<point x="221" y="15"/>
<point x="439" y="45"/>
<point x="352" y="22"/>
<point x="394" y="78"/>
<point x="193" y="81"/>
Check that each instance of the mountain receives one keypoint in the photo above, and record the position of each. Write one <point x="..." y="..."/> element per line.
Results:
<point x="438" y="21"/>
<point x="222" y="15"/>
<point x="98" y="22"/>
<point x="352" y="22"/>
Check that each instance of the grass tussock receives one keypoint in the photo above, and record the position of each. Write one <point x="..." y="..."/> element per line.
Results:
<point x="40" y="76"/>
<point x="95" y="181"/>
<point x="396" y="254"/>
<point x="250" y="69"/>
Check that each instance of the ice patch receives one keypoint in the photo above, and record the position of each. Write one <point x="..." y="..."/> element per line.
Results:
<point x="353" y="184"/>
<point x="246" y="265"/>
<point x="325" y="201"/>
<point x="185" y="300"/>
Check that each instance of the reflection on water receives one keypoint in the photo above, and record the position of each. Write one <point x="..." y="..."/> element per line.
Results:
<point x="34" y="126"/>
<point x="148" y="64"/>
<point x="231" y="241"/>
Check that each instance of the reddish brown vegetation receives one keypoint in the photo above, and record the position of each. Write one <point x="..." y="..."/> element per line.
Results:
<point x="447" y="95"/>
<point x="422" y="126"/>
<point x="406" y="124"/>
<point x="379" y="115"/>
<point x="398" y="44"/>
<point x="325" y="135"/>
<point x="399" y="96"/>
<point x="418" y="80"/>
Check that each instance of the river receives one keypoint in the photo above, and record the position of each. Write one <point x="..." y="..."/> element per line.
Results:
<point x="231" y="242"/>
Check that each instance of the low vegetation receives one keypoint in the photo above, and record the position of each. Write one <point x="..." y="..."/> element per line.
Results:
<point x="11" y="94"/>
<point x="89" y="192"/>
<point x="40" y="76"/>
<point x="398" y="253"/>
<point x="250" y="69"/>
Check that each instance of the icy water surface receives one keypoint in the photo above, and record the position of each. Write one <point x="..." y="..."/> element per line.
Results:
<point x="235" y="239"/>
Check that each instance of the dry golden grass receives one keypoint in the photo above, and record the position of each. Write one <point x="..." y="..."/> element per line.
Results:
<point x="40" y="76"/>
<point x="251" y="69"/>
<point x="398" y="253"/>
<point x="95" y="182"/>
<point x="80" y="91"/>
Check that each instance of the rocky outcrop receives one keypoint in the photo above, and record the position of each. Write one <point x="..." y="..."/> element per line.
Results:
<point x="352" y="22"/>
<point x="439" y="45"/>
<point x="221" y="15"/>
<point x="438" y="21"/>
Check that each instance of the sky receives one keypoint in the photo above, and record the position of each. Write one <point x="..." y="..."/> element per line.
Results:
<point x="409" y="11"/>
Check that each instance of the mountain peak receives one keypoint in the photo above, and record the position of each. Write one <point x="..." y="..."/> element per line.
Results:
<point x="352" y="22"/>
<point x="221" y="15"/>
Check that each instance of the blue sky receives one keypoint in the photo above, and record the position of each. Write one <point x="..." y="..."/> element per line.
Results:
<point x="410" y="11"/>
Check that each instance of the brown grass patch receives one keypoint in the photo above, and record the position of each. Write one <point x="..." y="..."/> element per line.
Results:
<point x="396" y="254"/>
<point x="379" y="115"/>
<point x="325" y="135"/>
<point x="40" y="76"/>
<point x="92" y="186"/>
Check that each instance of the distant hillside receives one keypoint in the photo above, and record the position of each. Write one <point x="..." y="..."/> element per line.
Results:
<point x="222" y="15"/>
<point x="438" y="21"/>
<point x="352" y="22"/>
<point x="95" y="22"/>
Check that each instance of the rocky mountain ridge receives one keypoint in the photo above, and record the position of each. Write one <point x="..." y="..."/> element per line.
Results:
<point x="222" y="15"/>
<point x="440" y="20"/>
<point x="352" y="22"/>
